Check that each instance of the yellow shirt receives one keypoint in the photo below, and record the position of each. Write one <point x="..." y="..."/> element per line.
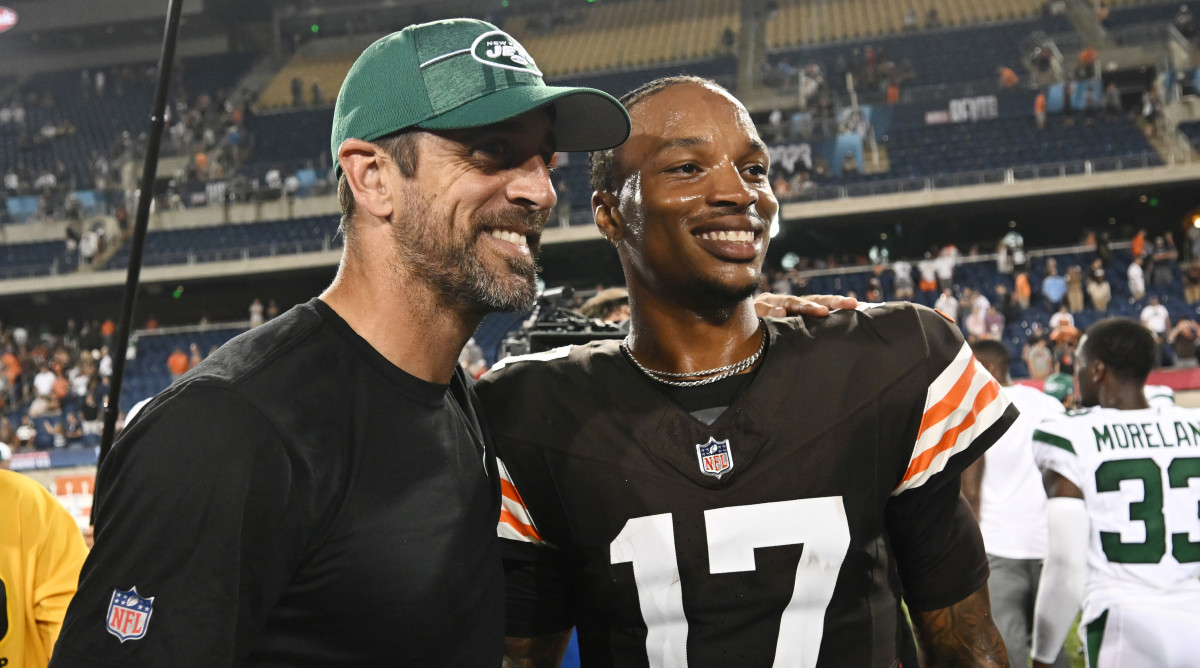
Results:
<point x="41" y="552"/>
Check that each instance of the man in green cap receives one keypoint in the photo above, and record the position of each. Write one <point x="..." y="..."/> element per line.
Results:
<point x="1061" y="387"/>
<point x="321" y="491"/>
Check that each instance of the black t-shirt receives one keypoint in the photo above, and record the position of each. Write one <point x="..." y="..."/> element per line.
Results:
<point x="784" y="533"/>
<point x="295" y="500"/>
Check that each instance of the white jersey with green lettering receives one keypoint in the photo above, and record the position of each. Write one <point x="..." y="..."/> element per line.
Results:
<point x="1139" y="472"/>
<point x="1160" y="395"/>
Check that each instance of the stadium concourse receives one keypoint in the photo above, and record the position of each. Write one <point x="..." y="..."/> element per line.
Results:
<point x="950" y="152"/>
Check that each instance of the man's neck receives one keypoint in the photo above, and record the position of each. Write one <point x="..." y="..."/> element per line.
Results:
<point x="410" y="328"/>
<point x="668" y="337"/>
<point x="1124" y="397"/>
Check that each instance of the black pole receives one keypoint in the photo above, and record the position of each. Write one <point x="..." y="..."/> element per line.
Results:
<point x="149" y="171"/>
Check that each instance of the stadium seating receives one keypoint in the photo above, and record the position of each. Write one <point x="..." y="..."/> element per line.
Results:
<point x="234" y="242"/>
<point x="39" y="258"/>
<point x="629" y="34"/>
<point x="967" y="54"/>
<point x="803" y="22"/>
<point x="327" y="70"/>
<point x="1135" y="12"/>
<point x="89" y="126"/>
<point x="945" y="149"/>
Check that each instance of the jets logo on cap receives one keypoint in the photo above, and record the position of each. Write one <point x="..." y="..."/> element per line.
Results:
<point x="497" y="49"/>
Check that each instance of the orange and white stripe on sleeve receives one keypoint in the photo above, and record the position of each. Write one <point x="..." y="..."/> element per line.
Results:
<point x="961" y="403"/>
<point x="515" y="522"/>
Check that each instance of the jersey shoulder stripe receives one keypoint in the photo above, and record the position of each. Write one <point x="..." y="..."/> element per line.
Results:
<point x="515" y="521"/>
<point x="1053" y="439"/>
<point x="962" y="403"/>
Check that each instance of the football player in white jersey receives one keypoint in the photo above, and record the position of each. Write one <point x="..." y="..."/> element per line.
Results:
<point x="1004" y="489"/>
<point x="1124" y="485"/>
<point x="1160" y="395"/>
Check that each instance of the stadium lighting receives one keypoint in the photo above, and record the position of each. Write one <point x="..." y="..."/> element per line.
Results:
<point x="1196" y="220"/>
<point x="8" y="19"/>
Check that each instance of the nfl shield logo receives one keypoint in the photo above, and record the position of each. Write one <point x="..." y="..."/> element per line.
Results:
<point x="715" y="457"/>
<point x="129" y="614"/>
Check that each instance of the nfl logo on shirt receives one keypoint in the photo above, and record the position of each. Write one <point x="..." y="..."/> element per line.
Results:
<point x="129" y="614"/>
<point x="715" y="457"/>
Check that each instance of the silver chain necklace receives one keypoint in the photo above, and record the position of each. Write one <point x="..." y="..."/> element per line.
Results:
<point x="719" y="373"/>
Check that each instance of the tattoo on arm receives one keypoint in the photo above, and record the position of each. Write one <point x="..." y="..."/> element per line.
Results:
<point x="540" y="652"/>
<point x="962" y="635"/>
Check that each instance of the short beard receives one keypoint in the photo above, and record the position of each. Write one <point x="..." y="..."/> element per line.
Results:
<point x="449" y="261"/>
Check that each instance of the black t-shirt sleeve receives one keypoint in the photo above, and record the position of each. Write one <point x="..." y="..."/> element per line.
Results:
<point x="200" y="506"/>
<point x="941" y="559"/>
<point x="537" y="582"/>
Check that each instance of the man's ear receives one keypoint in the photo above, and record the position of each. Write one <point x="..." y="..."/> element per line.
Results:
<point x="364" y="164"/>
<point x="608" y="216"/>
<point x="1099" y="371"/>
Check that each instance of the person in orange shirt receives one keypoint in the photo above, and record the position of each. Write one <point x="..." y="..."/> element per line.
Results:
<point x="178" y="363"/>
<point x="1137" y="247"/>
<point x="1008" y="78"/>
<point x="1039" y="109"/>
<point x="1021" y="290"/>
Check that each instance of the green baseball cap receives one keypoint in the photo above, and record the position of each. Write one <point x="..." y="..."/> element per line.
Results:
<point x="463" y="73"/>
<point x="1059" y="385"/>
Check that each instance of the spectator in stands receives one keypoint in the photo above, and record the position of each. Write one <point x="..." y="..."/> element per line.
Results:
<point x="297" y="92"/>
<point x="1039" y="359"/>
<point x="902" y="280"/>
<point x="41" y="553"/>
<point x="43" y="382"/>
<point x="1022" y="290"/>
<point x="1075" y="288"/>
<point x="1039" y="110"/>
<point x="177" y="363"/>
<point x="1112" y="101"/>
<point x="1054" y="286"/>
<point x="194" y="355"/>
<point x="1157" y="319"/>
<point x="1183" y="339"/>
<point x="256" y="312"/>
<point x="932" y="19"/>
<point x="910" y="20"/>
<point x="927" y="269"/>
<point x="994" y="320"/>
<point x="1098" y="288"/>
<point x="1137" y="279"/>
<point x="1102" y="15"/>
<point x="1151" y="112"/>
<point x="1008" y="78"/>
<point x="947" y="303"/>
<point x="945" y="265"/>
<point x="1191" y="282"/>
<point x="1184" y="22"/>
<point x="317" y="97"/>
<point x="1162" y="261"/>
<point x="1137" y="245"/>
<point x="1061" y="317"/>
